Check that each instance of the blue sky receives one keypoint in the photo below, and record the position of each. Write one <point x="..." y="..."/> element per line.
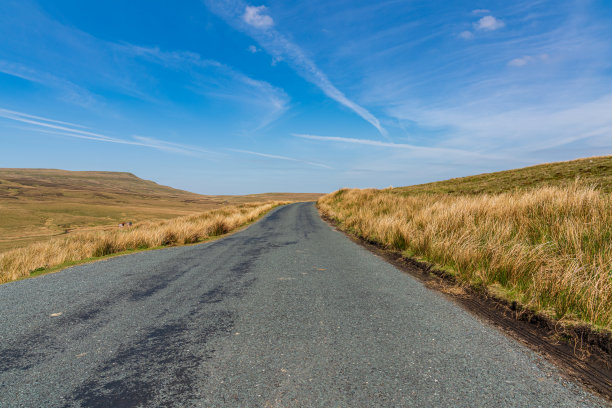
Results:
<point x="232" y="97"/>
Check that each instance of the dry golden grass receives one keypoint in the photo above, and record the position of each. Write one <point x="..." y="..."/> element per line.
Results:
<point x="549" y="247"/>
<point x="20" y="262"/>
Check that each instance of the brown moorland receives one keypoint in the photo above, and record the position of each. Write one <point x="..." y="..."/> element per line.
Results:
<point x="38" y="204"/>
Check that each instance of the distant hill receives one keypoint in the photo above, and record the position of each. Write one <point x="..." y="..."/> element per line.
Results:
<point x="45" y="184"/>
<point x="38" y="203"/>
<point x="595" y="171"/>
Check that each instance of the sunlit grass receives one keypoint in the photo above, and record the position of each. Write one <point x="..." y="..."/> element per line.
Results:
<point x="22" y="262"/>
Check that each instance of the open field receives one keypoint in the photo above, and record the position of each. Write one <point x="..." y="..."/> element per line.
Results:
<point x="536" y="236"/>
<point x="37" y="204"/>
<point x="78" y="246"/>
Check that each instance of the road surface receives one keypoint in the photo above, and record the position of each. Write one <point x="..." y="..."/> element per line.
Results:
<point x="286" y="313"/>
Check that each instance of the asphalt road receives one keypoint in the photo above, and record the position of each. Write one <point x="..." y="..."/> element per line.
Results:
<point x="286" y="313"/>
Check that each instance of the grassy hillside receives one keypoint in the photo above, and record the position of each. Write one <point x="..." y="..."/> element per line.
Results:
<point x="594" y="171"/>
<point x="36" y="204"/>
<point x="534" y="235"/>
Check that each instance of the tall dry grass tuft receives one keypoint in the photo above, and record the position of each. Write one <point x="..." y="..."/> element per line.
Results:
<point x="20" y="262"/>
<point x="550" y="247"/>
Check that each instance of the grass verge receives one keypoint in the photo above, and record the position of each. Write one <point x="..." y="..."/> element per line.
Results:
<point x="548" y="248"/>
<point x="59" y="253"/>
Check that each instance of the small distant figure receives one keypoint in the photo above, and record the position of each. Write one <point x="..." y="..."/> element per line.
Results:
<point x="121" y="224"/>
<point x="125" y="224"/>
<point x="129" y="224"/>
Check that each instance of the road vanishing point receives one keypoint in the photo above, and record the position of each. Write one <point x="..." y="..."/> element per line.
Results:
<point x="286" y="313"/>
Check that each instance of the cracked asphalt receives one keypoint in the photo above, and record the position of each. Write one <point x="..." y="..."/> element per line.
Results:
<point x="287" y="313"/>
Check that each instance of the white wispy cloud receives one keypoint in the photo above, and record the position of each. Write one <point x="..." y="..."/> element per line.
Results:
<point x="171" y="147"/>
<point x="88" y="71"/>
<point x="62" y="57"/>
<point x="49" y="123"/>
<point x="68" y="90"/>
<point x="255" y="92"/>
<point x="25" y="115"/>
<point x="285" y="158"/>
<point x="404" y="146"/>
<point x="522" y="130"/>
<point x="489" y="23"/>
<point x="466" y="35"/>
<point x="527" y="59"/>
<point x="481" y="11"/>
<point x="56" y="127"/>
<point x="256" y="17"/>
<point x="252" y="49"/>
<point x="281" y="48"/>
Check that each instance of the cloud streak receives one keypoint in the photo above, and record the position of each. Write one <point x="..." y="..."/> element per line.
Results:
<point x="234" y="11"/>
<point x="285" y="158"/>
<point x="91" y="72"/>
<point x="527" y="59"/>
<point x="69" y="91"/>
<point x="404" y="146"/>
<point x="523" y="131"/>
<point x="256" y="92"/>
<point x="57" y="127"/>
<point x="6" y="113"/>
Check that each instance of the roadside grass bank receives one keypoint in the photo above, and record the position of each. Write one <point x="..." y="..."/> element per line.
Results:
<point x="548" y="248"/>
<point x="75" y="248"/>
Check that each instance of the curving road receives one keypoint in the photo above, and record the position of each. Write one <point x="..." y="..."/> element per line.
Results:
<point x="286" y="313"/>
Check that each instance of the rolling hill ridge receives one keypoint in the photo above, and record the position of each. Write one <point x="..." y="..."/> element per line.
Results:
<point x="592" y="171"/>
<point x="36" y="204"/>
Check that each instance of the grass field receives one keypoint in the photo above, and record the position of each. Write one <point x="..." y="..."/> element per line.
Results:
<point x="38" y="204"/>
<point x="73" y="248"/>
<point x="541" y="235"/>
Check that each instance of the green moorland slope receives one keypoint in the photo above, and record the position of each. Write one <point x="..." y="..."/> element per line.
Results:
<point x="593" y="171"/>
